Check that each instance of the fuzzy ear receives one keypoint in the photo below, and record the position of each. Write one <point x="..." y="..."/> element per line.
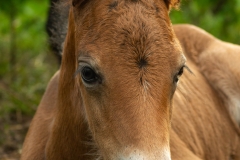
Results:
<point x="68" y="59"/>
<point x="172" y="3"/>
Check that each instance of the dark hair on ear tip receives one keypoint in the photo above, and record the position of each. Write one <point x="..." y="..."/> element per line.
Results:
<point x="79" y="3"/>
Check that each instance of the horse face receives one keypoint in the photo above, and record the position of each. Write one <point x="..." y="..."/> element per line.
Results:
<point x="128" y="65"/>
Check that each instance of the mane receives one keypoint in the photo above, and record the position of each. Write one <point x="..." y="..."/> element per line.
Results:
<point x="170" y="3"/>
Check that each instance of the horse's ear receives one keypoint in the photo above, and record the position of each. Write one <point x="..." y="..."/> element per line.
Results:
<point x="68" y="60"/>
<point x="172" y="3"/>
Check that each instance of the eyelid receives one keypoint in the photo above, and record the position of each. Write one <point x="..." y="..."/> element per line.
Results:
<point x="81" y="65"/>
<point x="98" y="75"/>
<point x="86" y="61"/>
<point x="85" y="57"/>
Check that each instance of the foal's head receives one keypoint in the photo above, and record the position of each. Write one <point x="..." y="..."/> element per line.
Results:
<point x="127" y="63"/>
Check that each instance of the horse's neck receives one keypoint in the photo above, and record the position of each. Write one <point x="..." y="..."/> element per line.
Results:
<point x="197" y="106"/>
<point x="217" y="61"/>
<point x="193" y="40"/>
<point x="214" y="64"/>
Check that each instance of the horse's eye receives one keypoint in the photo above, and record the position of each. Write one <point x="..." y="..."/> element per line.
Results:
<point x="88" y="75"/>
<point x="178" y="75"/>
<point x="180" y="72"/>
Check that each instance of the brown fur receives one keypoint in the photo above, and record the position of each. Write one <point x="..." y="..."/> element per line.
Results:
<point x="137" y="57"/>
<point x="201" y="117"/>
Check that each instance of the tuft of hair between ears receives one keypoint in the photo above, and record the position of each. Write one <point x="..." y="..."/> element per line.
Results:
<point x="79" y="2"/>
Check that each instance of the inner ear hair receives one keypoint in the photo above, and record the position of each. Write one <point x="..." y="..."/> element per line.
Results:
<point x="78" y="2"/>
<point x="172" y="4"/>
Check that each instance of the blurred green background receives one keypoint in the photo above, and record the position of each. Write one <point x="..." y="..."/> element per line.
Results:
<point x="25" y="67"/>
<point x="218" y="17"/>
<point x="26" y="63"/>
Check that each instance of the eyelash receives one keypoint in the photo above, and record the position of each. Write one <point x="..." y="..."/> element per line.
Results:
<point x="180" y="72"/>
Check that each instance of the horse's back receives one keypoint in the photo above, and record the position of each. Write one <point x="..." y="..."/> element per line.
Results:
<point x="36" y="139"/>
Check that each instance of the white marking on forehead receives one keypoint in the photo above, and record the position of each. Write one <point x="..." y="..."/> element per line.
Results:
<point x="134" y="156"/>
<point x="146" y="85"/>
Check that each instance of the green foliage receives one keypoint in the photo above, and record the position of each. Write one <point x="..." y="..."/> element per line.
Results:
<point x="218" y="17"/>
<point x="10" y="6"/>
<point x="23" y="36"/>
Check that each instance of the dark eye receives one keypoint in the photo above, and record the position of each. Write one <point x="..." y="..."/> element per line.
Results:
<point x="178" y="75"/>
<point x="88" y="75"/>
